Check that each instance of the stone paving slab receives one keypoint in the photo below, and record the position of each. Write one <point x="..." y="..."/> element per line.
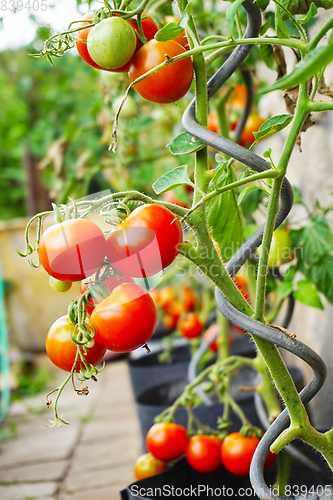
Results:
<point x="40" y="491"/>
<point x="93" y="457"/>
<point x="39" y="471"/>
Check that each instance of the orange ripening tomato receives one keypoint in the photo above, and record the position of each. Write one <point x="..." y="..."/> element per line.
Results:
<point x="237" y="452"/>
<point x="166" y="85"/>
<point x="62" y="350"/>
<point x="173" y="313"/>
<point x="147" y="241"/>
<point x="72" y="250"/>
<point x="126" y="319"/>
<point x="253" y="124"/>
<point x="213" y="121"/>
<point x="109" y="284"/>
<point x="166" y="441"/>
<point x="191" y="326"/>
<point x="147" y="466"/>
<point x="189" y="299"/>
<point x="167" y="295"/>
<point x="238" y="99"/>
<point x="203" y="453"/>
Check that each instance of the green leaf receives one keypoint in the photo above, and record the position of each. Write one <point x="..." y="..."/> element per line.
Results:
<point x="311" y="13"/>
<point x="219" y="170"/>
<point x="280" y="28"/>
<point x="244" y="192"/>
<point x="184" y="20"/>
<point x="185" y="143"/>
<point x="313" y="245"/>
<point x="231" y="12"/>
<point x="272" y="126"/>
<point x="168" y="32"/>
<point x="307" y="294"/>
<point x="297" y="196"/>
<point x="225" y="219"/>
<point x="267" y="54"/>
<point x="284" y="288"/>
<point x="262" y="4"/>
<point x="176" y="177"/>
<point x="189" y="9"/>
<point x="318" y="59"/>
<point x="265" y="27"/>
<point x="302" y="6"/>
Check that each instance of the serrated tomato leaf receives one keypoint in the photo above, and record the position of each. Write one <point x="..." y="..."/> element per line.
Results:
<point x="231" y="12"/>
<point x="272" y="126"/>
<point x="307" y="294"/>
<point x="225" y="219"/>
<point x="318" y="59"/>
<point x="176" y="177"/>
<point x="185" y="143"/>
<point x="168" y="32"/>
<point x="311" y="13"/>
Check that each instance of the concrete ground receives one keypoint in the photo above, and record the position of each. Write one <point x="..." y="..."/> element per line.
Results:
<point x="93" y="457"/>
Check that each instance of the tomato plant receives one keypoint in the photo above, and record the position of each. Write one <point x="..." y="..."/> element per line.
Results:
<point x="146" y="242"/>
<point x="203" y="452"/>
<point x="62" y="350"/>
<point x="237" y="452"/>
<point x="191" y="326"/>
<point x="164" y="86"/>
<point x="147" y="466"/>
<point x="126" y="319"/>
<point x="111" y="43"/>
<point x="108" y="285"/>
<point x="166" y="441"/>
<point x="72" y="250"/>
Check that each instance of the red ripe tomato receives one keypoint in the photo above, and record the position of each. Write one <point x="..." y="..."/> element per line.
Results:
<point x="168" y="84"/>
<point x="166" y="441"/>
<point x="239" y="96"/>
<point x="171" y="197"/>
<point x="146" y="242"/>
<point x="72" y="250"/>
<point x="210" y="333"/>
<point x="110" y="283"/>
<point x="189" y="299"/>
<point x="237" y="452"/>
<point x="126" y="319"/>
<point x="148" y="25"/>
<point x="62" y="350"/>
<point x="191" y="326"/>
<point x="203" y="452"/>
<point x="253" y="124"/>
<point x="147" y="466"/>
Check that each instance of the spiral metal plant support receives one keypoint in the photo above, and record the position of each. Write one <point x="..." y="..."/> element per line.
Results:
<point x="246" y="250"/>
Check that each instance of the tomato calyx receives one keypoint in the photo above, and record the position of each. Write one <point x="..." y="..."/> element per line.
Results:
<point x="251" y="431"/>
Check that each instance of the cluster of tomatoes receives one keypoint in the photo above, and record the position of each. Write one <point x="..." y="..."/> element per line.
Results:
<point x="168" y="441"/>
<point x="177" y="310"/>
<point x="234" y="108"/>
<point x="122" y="315"/>
<point x="115" y="44"/>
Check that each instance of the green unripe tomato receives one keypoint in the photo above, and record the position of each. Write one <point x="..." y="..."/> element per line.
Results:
<point x="129" y="110"/>
<point x="281" y="250"/>
<point x="60" y="286"/>
<point x="111" y="43"/>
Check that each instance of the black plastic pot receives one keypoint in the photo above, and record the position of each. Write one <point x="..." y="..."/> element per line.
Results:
<point x="147" y="371"/>
<point x="182" y="482"/>
<point x="154" y="400"/>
